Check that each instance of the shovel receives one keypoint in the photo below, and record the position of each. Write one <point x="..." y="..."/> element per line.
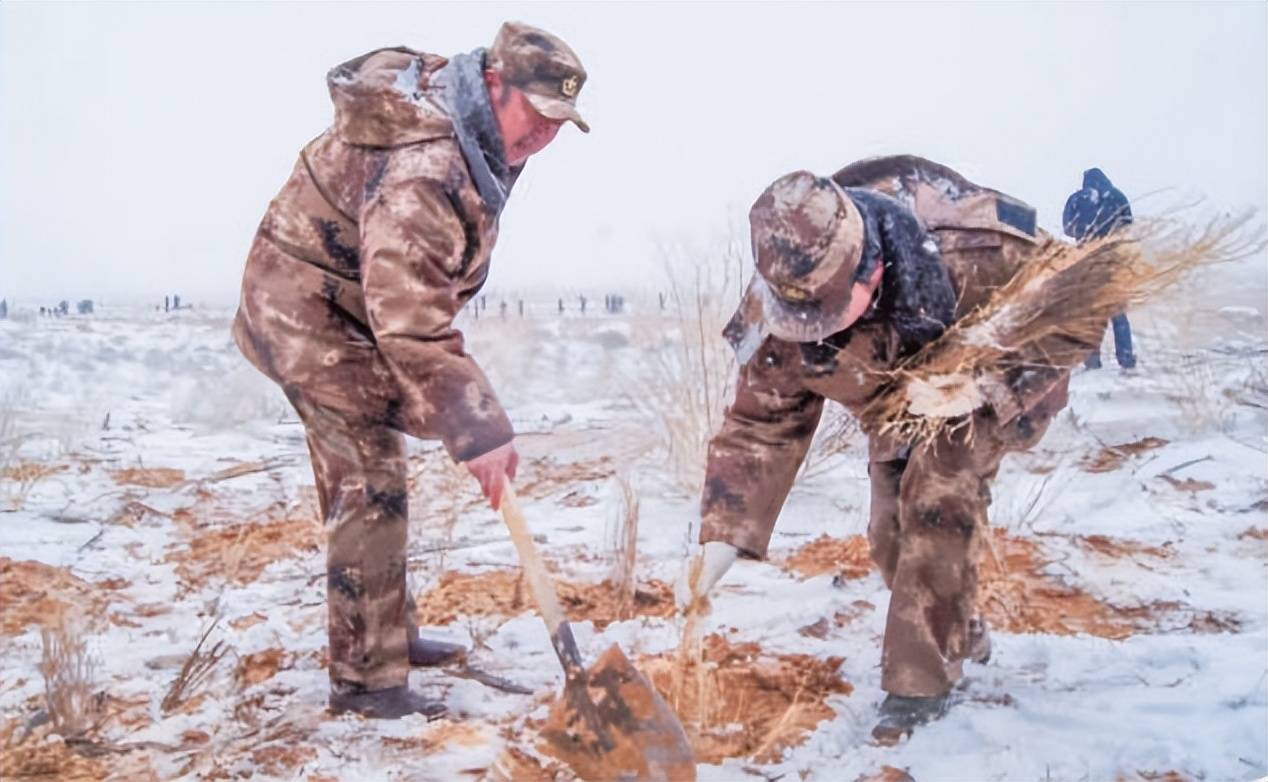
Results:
<point x="610" y="724"/>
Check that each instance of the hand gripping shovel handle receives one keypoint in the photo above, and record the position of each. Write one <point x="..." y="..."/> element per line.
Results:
<point x="630" y="733"/>
<point x="542" y="587"/>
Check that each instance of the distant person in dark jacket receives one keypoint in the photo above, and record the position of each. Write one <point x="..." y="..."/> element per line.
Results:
<point x="1096" y="211"/>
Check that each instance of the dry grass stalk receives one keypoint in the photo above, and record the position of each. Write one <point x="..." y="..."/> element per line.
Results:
<point x="786" y="723"/>
<point x="10" y="438"/>
<point x="690" y="369"/>
<point x="68" y="673"/>
<point x="1065" y="295"/>
<point x="838" y="432"/>
<point x="196" y="671"/>
<point x="22" y="478"/>
<point x="689" y="669"/>
<point x="625" y="549"/>
<point x="437" y="490"/>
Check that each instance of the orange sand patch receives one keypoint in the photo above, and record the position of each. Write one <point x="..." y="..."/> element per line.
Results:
<point x="543" y="476"/>
<point x="241" y="551"/>
<point x="443" y="733"/>
<point x="743" y="702"/>
<point x="504" y="593"/>
<point x="36" y="593"/>
<point x="823" y="627"/>
<point x="1015" y="596"/>
<point x="261" y="666"/>
<point x="31" y="472"/>
<point x="281" y="760"/>
<point x="1188" y="484"/>
<point x="516" y="765"/>
<point x="248" y="621"/>
<point x="848" y="557"/>
<point x="1112" y="457"/>
<point x="48" y="760"/>
<point x="150" y="478"/>
<point x="886" y="774"/>
<point x="1119" y="548"/>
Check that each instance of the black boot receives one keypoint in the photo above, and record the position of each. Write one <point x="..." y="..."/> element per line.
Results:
<point x="426" y="653"/>
<point x="390" y="704"/>
<point x="900" y="714"/>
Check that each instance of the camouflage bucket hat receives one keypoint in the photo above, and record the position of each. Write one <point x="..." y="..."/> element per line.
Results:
<point x="807" y="242"/>
<point x="542" y="66"/>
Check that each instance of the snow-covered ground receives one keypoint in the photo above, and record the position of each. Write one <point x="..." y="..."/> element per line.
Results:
<point x="156" y="489"/>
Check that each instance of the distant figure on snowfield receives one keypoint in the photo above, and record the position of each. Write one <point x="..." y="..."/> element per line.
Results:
<point x="1094" y="212"/>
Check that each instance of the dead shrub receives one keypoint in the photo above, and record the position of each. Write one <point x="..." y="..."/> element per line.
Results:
<point x="746" y="702"/>
<point x="21" y="478"/>
<point x="196" y="671"/>
<point x="625" y="549"/>
<point x="688" y="369"/>
<point x="68" y="672"/>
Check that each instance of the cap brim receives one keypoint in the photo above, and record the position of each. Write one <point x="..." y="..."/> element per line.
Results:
<point x="554" y="108"/>
<point x="809" y="321"/>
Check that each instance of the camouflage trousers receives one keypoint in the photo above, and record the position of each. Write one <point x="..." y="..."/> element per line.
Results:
<point x="928" y="515"/>
<point x="359" y="467"/>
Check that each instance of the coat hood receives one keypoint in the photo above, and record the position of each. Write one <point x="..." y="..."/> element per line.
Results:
<point x="383" y="99"/>
<point x="1095" y="179"/>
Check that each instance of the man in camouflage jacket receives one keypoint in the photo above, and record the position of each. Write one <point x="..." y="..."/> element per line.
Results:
<point x="856" y="272"/>
<point x="361" y="263"/>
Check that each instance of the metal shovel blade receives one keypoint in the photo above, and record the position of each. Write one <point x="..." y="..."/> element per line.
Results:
<point x="613" y="725"/>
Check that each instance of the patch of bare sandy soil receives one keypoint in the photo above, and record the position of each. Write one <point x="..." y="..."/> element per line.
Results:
<point x="240" y="552"/>
<point x="36" y="593"/>
<point x="504" y="593"/>
<point x="543" y="476"/>
<point x="886" y="774"/>
<point x="516" y="765"/>
<point x="261" y="666"/>
<point x="1123" y="548"/>
<point x="1156" y="776"/>
<point x="739" y="701"/>
<point x="50" y="759"/>
<point x="29" y="473"/>
<point x="1016" y="596"/>
<point x="1111" y="457"/>
<point x="149" y="477"/>
<point x="849" y="558"/>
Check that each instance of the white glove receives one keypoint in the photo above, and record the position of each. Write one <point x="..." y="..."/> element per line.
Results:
<point x="714" y="561"/>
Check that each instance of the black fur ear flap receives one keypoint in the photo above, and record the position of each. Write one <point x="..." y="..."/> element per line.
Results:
<point x="916" y="294"/>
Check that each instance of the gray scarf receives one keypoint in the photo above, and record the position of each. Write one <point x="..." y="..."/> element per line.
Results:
<point x="465" y="97"/>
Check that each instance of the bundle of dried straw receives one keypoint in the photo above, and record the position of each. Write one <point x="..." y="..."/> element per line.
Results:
<point x="1047" y="318"/>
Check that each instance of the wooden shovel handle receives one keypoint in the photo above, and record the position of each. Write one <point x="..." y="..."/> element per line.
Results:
<point x="540" y="584"/>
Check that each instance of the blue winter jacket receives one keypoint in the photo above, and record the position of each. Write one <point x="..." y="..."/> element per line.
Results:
<point x="1097" y="210"/>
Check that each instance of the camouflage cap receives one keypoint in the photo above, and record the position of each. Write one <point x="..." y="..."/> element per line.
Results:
<point x="543" y="67"/>
<point x="807" y="242"/>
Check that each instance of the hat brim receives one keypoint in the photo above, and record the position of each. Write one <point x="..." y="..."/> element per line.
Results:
<point x="554" y="108"/>
<point x="808" y="321"/>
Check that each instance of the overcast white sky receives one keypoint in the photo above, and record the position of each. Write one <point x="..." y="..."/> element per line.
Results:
<point x="141" y="142"/>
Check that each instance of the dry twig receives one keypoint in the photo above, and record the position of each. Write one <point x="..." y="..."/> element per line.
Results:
<point x="196" y="671"/>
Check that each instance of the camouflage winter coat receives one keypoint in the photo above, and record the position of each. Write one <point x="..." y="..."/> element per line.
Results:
<point x="364" y="258"/>
<point x="946" y="244"/>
